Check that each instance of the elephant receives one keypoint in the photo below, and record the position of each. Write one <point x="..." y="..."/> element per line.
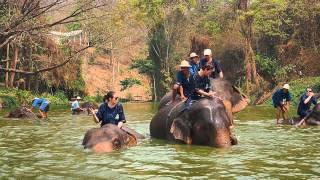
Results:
<point x="109" y="138"/>
<point x="312" y="119"/>
<point x="206" y="122"/>
<point x="22" y="113"/>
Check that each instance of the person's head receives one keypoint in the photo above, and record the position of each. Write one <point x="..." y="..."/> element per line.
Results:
<point x="34" y="100"/>
<point x="194" y="57"/>
<point x="309" y="91"/>
<point x="110" y="97"/>
<point x="207" y="69"/>
<point x="184" y="67"/>
<point x="78" y="98"/>
<point x="286" y="87"/>
<point x="207" y="54"/>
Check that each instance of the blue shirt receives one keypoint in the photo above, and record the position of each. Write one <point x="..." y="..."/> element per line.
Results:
<point x="75" y="105"/>
<point x="200" y="83"/>
<point x="303" y="108"/>
<point x="185" y="82"/>
<point x="280" y="96"/>
<point x="108" y="115"/>
<point x="216" y="67"/>
<point x="40" y="103"/>
<point x="194" y="68"/>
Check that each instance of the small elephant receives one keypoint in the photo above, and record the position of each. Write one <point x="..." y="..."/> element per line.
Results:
<point x="109" y="138"/>
<point x="22" y="113"/>
<point x="312" y="119"/>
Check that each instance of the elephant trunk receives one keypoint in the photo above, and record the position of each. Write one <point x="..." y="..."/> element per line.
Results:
<point x="222" y="138"/>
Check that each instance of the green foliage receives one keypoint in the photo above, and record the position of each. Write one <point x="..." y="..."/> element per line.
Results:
<point x="73" y="26"/>
<point x="282" y="74"/>
<point x="8" y="101"/>
<point x="59" y="98"/>
<point x="24" y="97"/>
<point x="129" y="82"/>
<point x="144" y="66"/>
<point x="94" y="99"/>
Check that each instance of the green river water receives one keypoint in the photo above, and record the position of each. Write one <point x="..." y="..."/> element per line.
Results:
<point x="33" y="149"/>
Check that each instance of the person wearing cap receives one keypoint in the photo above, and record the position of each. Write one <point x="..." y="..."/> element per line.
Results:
<point x="42" y="104"/>
<point x="306" y="100"/>
<point x="208" y="59"/>
<point x="194" y="63"/>
<point x="75" y="107"/>
<point x="281" y="101"/>
<point x="183" y="86"/>
<point x="110" y="112"/>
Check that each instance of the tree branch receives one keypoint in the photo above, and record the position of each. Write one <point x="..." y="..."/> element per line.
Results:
<point x="43" y="69"/>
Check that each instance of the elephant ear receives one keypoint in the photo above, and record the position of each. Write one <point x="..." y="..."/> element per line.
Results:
<point x="180" y="130"/>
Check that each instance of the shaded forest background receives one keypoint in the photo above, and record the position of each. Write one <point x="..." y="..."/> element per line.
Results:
<point x="134" y="46"/>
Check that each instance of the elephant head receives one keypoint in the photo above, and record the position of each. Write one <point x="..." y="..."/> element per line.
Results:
<point x="314" y="117"/>
<point x="205" y="123"/>
<point x="109" y="138"/>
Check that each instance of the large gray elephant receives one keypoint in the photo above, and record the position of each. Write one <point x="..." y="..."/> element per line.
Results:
<point x="313" y="119"/>
<point x="109" y="138"/>
<point x="206" y="122"/>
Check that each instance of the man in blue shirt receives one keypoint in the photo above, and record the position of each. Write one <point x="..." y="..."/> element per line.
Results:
<point x="281" y="101"/>
<point x="306" y="100"/>
<point x="208" y="59"/>
<point x="183" y="86"/>
<point x="194" y="63"/>
<point x="43" y="105"/>
<point x="202" y="83"/>
<point x="75" y="107"/>
<point x="111" y="111"/>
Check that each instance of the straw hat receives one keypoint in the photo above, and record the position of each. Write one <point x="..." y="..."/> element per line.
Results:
<point x="286" y="86"/>
<point x="207" y="52"/>
<point x="193" y="54"/>
<point x="184" y="63"/>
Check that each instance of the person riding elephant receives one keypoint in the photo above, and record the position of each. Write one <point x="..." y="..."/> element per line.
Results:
<point x="206" y="122"/>
<point x="111" y="111"/>
<point x="112" y="135"/>
<point x="183" y="86"/>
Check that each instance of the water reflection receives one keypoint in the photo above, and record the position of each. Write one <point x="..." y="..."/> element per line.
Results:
<point x="52" y="149"/>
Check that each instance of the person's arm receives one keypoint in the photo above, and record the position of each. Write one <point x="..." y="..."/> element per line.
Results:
<point x="181" y="92"/>
<point x="95" y="115"/>
<point x="122" y="118"/>
<point x="218" y="67"/>
<point x="308" y="98"/>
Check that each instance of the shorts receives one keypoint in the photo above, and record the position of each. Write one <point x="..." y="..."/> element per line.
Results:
<point x="45" y="107"/>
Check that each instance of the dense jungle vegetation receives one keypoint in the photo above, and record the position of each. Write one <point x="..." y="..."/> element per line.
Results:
<point x="261" y="44"/>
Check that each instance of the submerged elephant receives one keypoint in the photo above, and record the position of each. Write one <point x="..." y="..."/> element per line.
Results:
<point x="109" y="138"/>
<point x="206" y="122"/>
<point x="22" y="113"/>
<point x="312" y="119"/>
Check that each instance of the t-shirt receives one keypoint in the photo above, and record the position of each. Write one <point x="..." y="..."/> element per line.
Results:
<point x="216" y="67"/>
<point x="200" y="83"/>
<point x="108" y="115"/>
<point x="194" y="68"/>
<point x="185" y="82"/>
<point x="40" y="103"/>
<point x="280" y="96"/>
<point x="305" y="107"/>
<point x="75" y="105"/>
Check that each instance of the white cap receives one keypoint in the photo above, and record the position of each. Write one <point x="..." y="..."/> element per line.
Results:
<point x="207" y="52"/>
<point x="286" y="86"/>
<point x="78" y="98"/>
<point x="192" y="55"/>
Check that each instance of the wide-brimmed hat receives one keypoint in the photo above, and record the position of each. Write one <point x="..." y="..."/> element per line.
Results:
<point x="286" y="86"/>
<point x="207" y="52"/>
<point x="184" y="63"/>
<point x="193" y="54"/>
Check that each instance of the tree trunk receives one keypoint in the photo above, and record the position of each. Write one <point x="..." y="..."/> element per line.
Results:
<point x="155" y="98"/>
<point x="7" y="66"/>
<point x="13" y="65"/>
